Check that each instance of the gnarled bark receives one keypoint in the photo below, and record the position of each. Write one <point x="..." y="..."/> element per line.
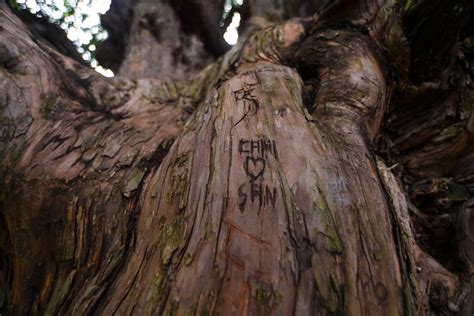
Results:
<point x="258" y="185"/>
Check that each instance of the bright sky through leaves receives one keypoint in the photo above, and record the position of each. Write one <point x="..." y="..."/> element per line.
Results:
<point x="231" y="35"/>
<point x="81" y="21"/>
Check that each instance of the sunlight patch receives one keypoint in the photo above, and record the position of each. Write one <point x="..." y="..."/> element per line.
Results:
<point x="80" y="19"/>
<point x="231" y="35"/>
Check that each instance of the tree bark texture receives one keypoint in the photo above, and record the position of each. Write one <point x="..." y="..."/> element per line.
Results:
<point x="323" y="165"/>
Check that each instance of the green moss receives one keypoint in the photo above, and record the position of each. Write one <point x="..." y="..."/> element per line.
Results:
<point x="61" y="289"/>
<point x="267" y="297"/>
<point x="172" y="90"/>
<point x="179" y="181"/>
<point x="157" y="93"/>
<point x="321" y="202"/>
<point x="277" y="296"/>
<point x="178" y="189"/>
<point x="333" y="295"/>
<point x="263" y="296"/>
<point x="134" y="181"/>
<point x="333" y="242"/>
<point x="448" y="133"/>
<point x="124" y="84"/>
<point x="334" y="245"/>
<point x="170" y="239"/>
<point x="15" y="151"/>
<point x="407" y="5"/>
<point x="188" y="258"/>
<point x="49" y="105"/>
<point x="157" y="292"/>
<point x="328" y="35"/>
<point x="68" y="243"/>
<point x="171" y="236"/>
<point x="173" y="310"/>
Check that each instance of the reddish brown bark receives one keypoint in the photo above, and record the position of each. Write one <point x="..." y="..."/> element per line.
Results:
<point x="305" y="171"/>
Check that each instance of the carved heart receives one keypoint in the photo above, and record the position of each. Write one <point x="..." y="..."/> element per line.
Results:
<point x="254" y="167"/>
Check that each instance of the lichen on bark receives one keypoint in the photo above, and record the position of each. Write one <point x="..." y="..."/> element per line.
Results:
<point x="259" y="183"/>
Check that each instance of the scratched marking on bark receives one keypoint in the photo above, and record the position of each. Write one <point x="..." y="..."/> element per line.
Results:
<point x="258" y="147"/>
<point x="246" y="98"/>
<point x="256" y="153"/>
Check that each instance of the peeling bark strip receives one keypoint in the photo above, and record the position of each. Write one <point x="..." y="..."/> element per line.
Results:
<point x="250" y="188"/>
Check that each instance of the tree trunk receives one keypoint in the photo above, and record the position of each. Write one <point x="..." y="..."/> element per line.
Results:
<point x="321" y="166"/>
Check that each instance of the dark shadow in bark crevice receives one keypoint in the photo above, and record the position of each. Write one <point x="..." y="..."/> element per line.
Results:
<point x="5" y="260"/>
